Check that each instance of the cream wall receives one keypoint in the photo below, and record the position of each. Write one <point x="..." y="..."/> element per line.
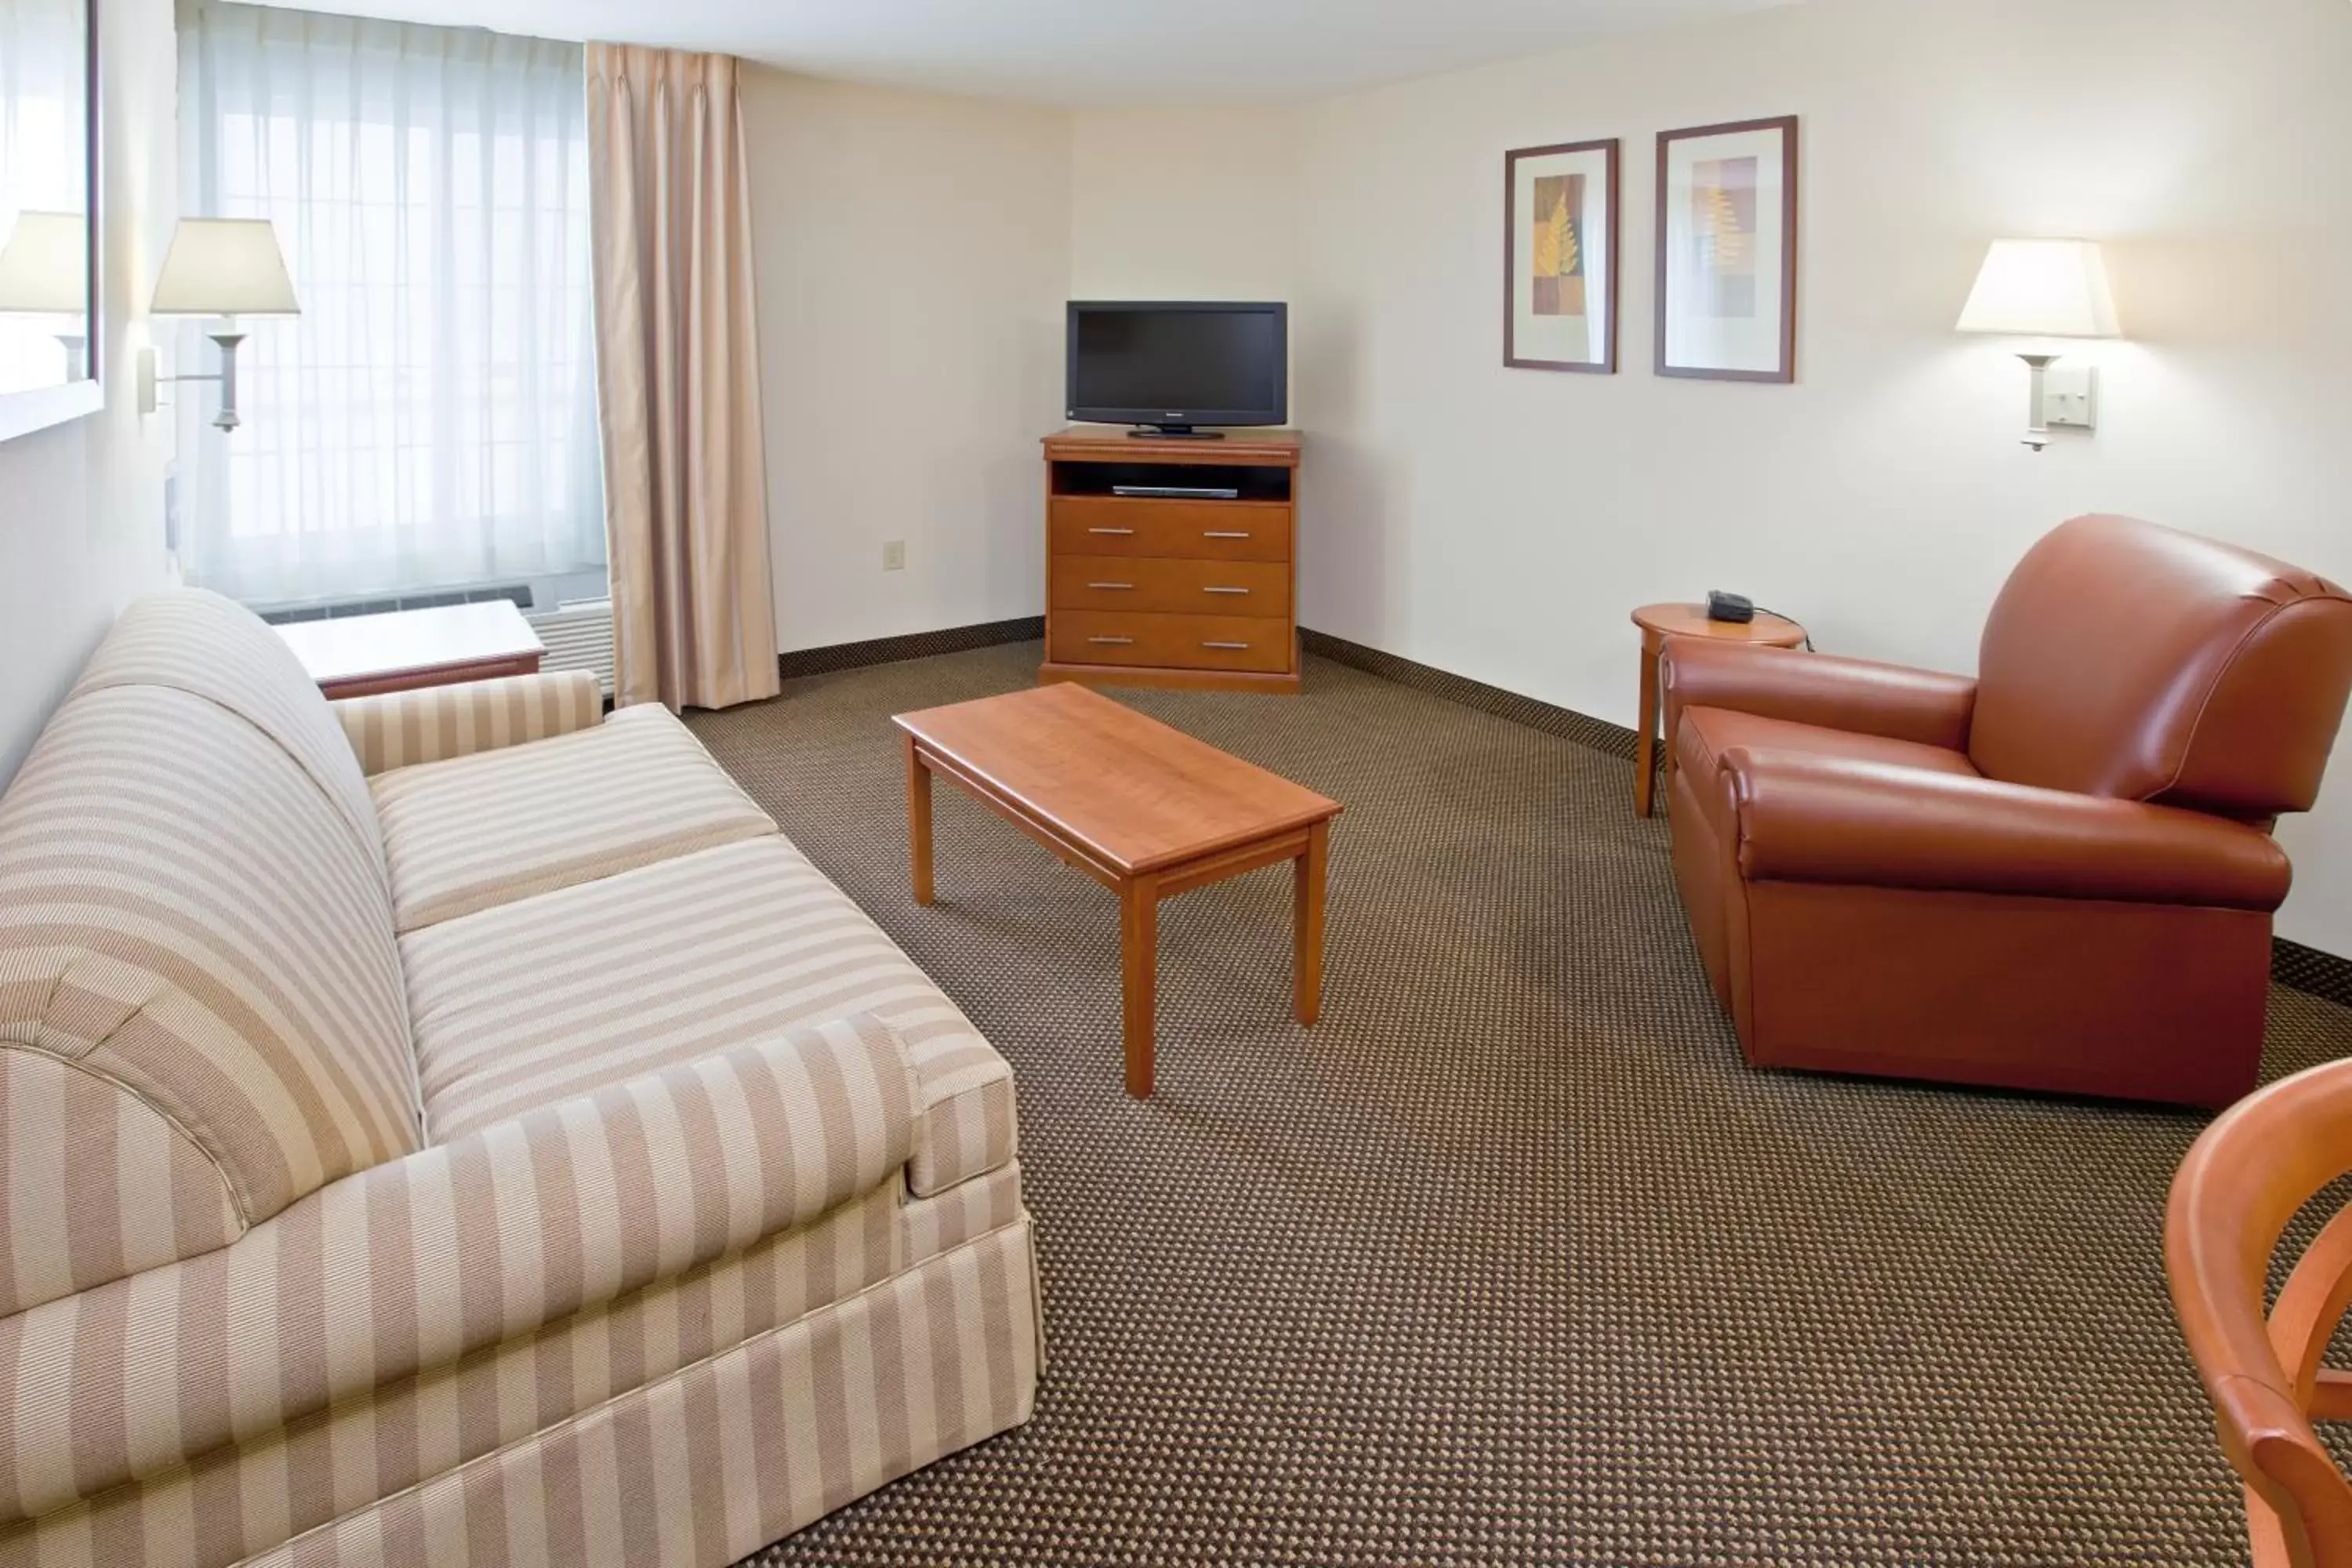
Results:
<point x="913" y="254"/>
<point x="1176" y="204"/>
<point x="1500" y="523"/>
<point x="81" y="505"/>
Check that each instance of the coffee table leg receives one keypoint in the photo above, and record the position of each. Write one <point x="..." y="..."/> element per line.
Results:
<point x="1139" y="940"/>
<point x="1306" y="918"/>
<point x="919" y="823"/>
<point x="1645" y="720"/>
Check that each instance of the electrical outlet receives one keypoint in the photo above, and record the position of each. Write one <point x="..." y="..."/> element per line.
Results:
<point x="894" y="555"/>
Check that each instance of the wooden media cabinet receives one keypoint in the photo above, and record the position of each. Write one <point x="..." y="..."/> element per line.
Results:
<point x="1145" y="590"/>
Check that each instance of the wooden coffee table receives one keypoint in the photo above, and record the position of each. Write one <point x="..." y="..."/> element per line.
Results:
<point x="1147" y="811"/>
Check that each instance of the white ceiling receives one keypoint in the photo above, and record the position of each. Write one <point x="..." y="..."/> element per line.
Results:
<point x="1086" y="51"/>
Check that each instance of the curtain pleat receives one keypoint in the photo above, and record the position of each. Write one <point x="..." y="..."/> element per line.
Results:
<point x="677" y="344"/>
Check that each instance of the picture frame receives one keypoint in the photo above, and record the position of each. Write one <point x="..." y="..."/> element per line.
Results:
<point x="1727" y="243"/>
<point x="1559" y="257"/>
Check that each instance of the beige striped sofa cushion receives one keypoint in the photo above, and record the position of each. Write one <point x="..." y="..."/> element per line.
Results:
<point x="417" y="1264"/>
<point x="192" y="640"/>
<point x="536" y="1002"/>
<point x="185" y="918"/>
<point x="432" y="723"/>
<point x="482" y="830"/>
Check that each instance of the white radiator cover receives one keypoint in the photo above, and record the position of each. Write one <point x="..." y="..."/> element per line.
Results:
<point x="579" y="636"/>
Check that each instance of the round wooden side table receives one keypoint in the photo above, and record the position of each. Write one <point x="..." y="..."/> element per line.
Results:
<point x="1659" y="622"/>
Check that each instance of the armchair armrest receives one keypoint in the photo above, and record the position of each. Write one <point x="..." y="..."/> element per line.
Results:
<point x="431" y="723"/>
<point x="1806" y="819"/>
<point x="1852" y="694"/>
<point x="406" y="1267"/>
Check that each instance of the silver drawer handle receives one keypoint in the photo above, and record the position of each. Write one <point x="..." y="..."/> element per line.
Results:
<point x="1122" y="642"/>
<point x="1235" y="646"/>
<point x="1224" y="590"/>
<point x="1110" y="584"/>
<point x="1225" y="534"/>
<point x="1110" y="531"/>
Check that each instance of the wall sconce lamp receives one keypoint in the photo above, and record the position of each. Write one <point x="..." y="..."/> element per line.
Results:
<point x="223" y="267"/>
<point x="45" y="271"/>
<point x="2045" y="289"/>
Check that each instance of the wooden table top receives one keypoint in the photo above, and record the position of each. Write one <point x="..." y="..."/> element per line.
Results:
<point x="411" y="642"/>
<point x="1245" y="445"/>
<point x="1690" y="621"/>
<point x="1136" y="795"/>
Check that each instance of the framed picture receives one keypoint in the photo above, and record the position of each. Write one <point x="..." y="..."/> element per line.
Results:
<point x="1559" y="257"/>
<point x="1727" y="251"/>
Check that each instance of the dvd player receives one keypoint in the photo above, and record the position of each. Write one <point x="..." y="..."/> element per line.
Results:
<point x="1180" y="492"/>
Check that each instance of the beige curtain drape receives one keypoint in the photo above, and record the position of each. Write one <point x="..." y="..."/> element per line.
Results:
<point x="679" y="376"/>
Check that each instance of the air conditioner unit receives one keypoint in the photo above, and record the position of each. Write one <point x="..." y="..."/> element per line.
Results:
<point x="324" y="609"/>
<point x="579" y="636"/>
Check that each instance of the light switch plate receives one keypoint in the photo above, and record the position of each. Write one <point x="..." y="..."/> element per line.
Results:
<point x="2070" y="398"/>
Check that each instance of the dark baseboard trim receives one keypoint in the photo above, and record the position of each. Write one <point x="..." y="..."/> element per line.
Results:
<point x="2300" y="968"/>
<point x="914" y="645"/>
<point x="1566" y="723"/>
<point x="2308" y="969"/>
<point x="2294" y="965"/>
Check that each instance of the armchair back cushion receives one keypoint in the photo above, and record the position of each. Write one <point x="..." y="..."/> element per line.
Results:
<point x="2130" y="660"/>
<point x="201" y="1001"/>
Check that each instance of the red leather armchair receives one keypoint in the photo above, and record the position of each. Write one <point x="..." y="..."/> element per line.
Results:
<point x="2056" y="875"/>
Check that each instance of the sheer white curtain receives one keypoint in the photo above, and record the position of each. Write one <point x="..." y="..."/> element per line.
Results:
<point x="430" y="419"/>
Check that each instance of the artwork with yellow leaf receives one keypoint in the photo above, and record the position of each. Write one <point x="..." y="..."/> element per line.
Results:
<point x="1727" y="251"/>
<point x="1556" y="268"/>
<point x="1560" y="244"/>
<point x="1723" y="226"/>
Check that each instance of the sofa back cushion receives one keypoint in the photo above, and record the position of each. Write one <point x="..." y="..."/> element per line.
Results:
<point x="2133" y="662"/>
<point x="188" y="923"/>
<point x="194" y="641"/>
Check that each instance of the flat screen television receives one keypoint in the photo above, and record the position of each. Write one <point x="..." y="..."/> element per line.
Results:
<point x="1174" y="366"/>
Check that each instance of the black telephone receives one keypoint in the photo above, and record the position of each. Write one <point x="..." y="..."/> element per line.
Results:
<point x="1723" y="606"/>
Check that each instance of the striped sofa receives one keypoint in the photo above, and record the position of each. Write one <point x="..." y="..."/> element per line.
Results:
<point x="457" y="1127"/>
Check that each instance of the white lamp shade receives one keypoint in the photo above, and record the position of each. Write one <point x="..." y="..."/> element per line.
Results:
<point x="2042" y="288"/>
<point x="44" y="266"/>
<point x="224" y="267"/>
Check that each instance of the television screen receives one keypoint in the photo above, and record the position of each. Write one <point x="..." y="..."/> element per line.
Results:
<point x="1178" y="365"/>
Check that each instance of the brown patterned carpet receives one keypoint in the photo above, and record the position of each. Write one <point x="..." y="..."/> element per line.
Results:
<point x="1509" y="1260"/>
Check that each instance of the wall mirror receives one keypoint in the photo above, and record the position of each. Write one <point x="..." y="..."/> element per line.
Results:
<point x="49" y="317"/>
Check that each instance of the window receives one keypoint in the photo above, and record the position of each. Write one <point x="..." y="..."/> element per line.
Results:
<point x="429" y="420"/>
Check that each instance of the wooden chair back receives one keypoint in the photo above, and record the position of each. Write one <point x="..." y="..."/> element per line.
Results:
<point x="2233" y="1198"/>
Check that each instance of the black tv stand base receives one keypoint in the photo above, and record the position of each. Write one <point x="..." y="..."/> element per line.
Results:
<point x="1173" y="433"/>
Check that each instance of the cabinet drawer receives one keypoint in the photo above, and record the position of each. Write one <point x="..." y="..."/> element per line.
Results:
<point x="1173" y="642"/>
<point x="1171" y="587"/>
<point x="1192" y="529"/>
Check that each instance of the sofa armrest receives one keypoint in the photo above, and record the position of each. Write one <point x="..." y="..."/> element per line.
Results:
<point x="408" y="1266"/>
<point x="431" y="723"/>
<point x="1857" y="695"/>
<point x="1807" y="819"/>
